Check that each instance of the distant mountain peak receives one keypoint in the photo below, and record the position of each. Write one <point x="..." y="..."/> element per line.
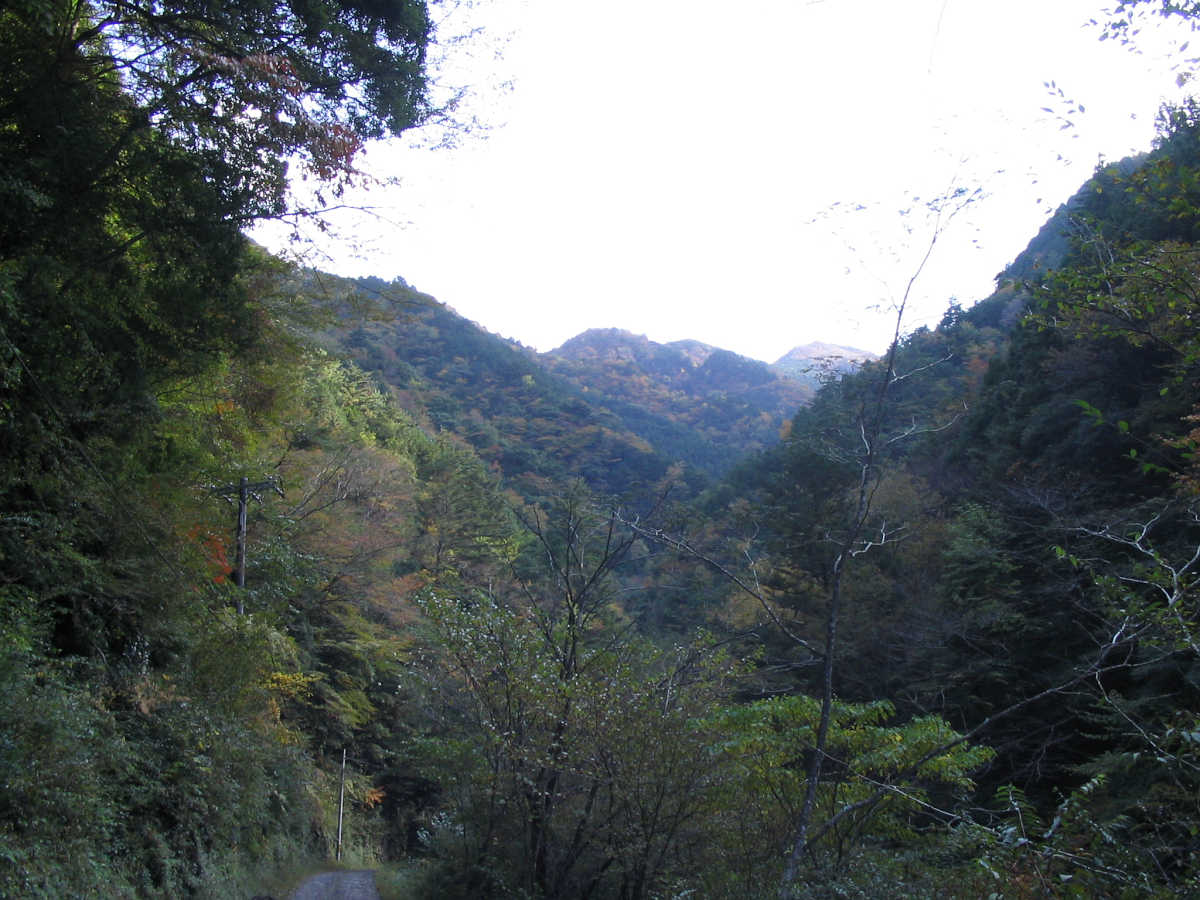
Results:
<point x="697" y="351"/>
<point x="709" y="404"/>
<point x="823" y="350"/>
<point x="807" y="362"/>
<point x="614" y="345"/>
<point x="603" y="343"/>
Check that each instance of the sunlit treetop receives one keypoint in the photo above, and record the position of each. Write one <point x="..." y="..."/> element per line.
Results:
<point x="260" y="82"/>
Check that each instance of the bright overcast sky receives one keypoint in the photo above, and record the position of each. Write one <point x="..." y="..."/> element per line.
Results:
<point x="671" y="167"/>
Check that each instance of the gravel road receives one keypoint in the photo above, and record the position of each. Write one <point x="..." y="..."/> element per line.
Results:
<point x="338" y="886"/>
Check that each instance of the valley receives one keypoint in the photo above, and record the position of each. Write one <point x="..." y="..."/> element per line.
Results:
<point x="297" y="567"/>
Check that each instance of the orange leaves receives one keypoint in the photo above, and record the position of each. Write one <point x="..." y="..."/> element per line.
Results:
<point x="271" y="83"/>
<point x="276" y="70"/>
<point x="332" y="147"/>
<point x="270" y="69"/>
<point x="212" y="548"/>
<point x="373" y="797"/>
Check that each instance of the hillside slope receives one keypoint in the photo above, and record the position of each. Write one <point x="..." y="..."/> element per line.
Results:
<point x="609" y="407"/>
<point x="706" y="405"/>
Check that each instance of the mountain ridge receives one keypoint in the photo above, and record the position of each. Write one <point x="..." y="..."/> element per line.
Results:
<point x="617" y="342"/>
<point x="609" y="404"/>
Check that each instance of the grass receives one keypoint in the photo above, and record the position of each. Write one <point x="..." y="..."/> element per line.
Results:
<point x="400" y="880"/>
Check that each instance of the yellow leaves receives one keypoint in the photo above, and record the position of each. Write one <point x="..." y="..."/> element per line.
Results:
<point x="290" y="685"/>
<point x="502" y="549"/>
<point x="373" y="797"/>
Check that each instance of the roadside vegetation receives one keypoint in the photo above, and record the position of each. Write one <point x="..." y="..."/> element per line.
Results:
<point x="940" y="639"/>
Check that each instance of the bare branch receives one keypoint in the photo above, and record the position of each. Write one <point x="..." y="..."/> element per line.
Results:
<point x="896" y="379"/>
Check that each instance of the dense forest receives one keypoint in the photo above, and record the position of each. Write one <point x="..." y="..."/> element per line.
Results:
<point x="576" y="630"/>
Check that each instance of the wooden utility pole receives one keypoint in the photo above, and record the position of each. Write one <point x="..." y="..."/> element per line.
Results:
<point x="245" y="490"/>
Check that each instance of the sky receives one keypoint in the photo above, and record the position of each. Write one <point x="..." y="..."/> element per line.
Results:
<point x="754" y="175"/>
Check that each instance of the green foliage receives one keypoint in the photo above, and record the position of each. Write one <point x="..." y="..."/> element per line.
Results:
<point x="542" y="421"/>
<point x="559" y="782"/>
<point x="1041" y="584"/>
<point x="495" y="671"/>
<point x="60" y="762"/>
<point x="154" y="741"/>
<point x="151" y="784"/>
<point x="884" y="780"/>
<point x="566" y="747"/>
<point x="241" y="88"/>
<point x="697" y="404"/>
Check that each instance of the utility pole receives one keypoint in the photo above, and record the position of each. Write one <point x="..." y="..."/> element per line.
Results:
<point x="341" y="804"/>
<point x="244" y="490"/>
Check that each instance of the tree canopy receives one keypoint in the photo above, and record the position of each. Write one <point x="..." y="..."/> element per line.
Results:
<point x="536" y="694"/>
<point x="244" y="86"/>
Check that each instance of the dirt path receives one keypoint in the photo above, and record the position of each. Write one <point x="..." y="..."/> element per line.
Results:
<point x="338" y="886"/>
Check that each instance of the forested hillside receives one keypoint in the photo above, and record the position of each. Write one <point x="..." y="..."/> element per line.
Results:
<point x="1023" y="565"/>
<point x="518" y="415"/>
<point x="700" y="403"/>
<point x="939" y="640"/>
<point x="612" y="408"/>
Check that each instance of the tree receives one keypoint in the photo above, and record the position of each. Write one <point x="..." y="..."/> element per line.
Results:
<point x="857" y="445"/>
<point x="147" y="348"/>
<point x="247" y="85"/>
<point x="761" y="787"/>
<point x="567" y="745"/>
<point x="138" y="138"/>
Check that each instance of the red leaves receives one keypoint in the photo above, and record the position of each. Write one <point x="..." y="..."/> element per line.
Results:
<point x="212" y="547"/>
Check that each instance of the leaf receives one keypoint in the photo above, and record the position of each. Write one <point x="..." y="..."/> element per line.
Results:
<point x="1090" y="411"/>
